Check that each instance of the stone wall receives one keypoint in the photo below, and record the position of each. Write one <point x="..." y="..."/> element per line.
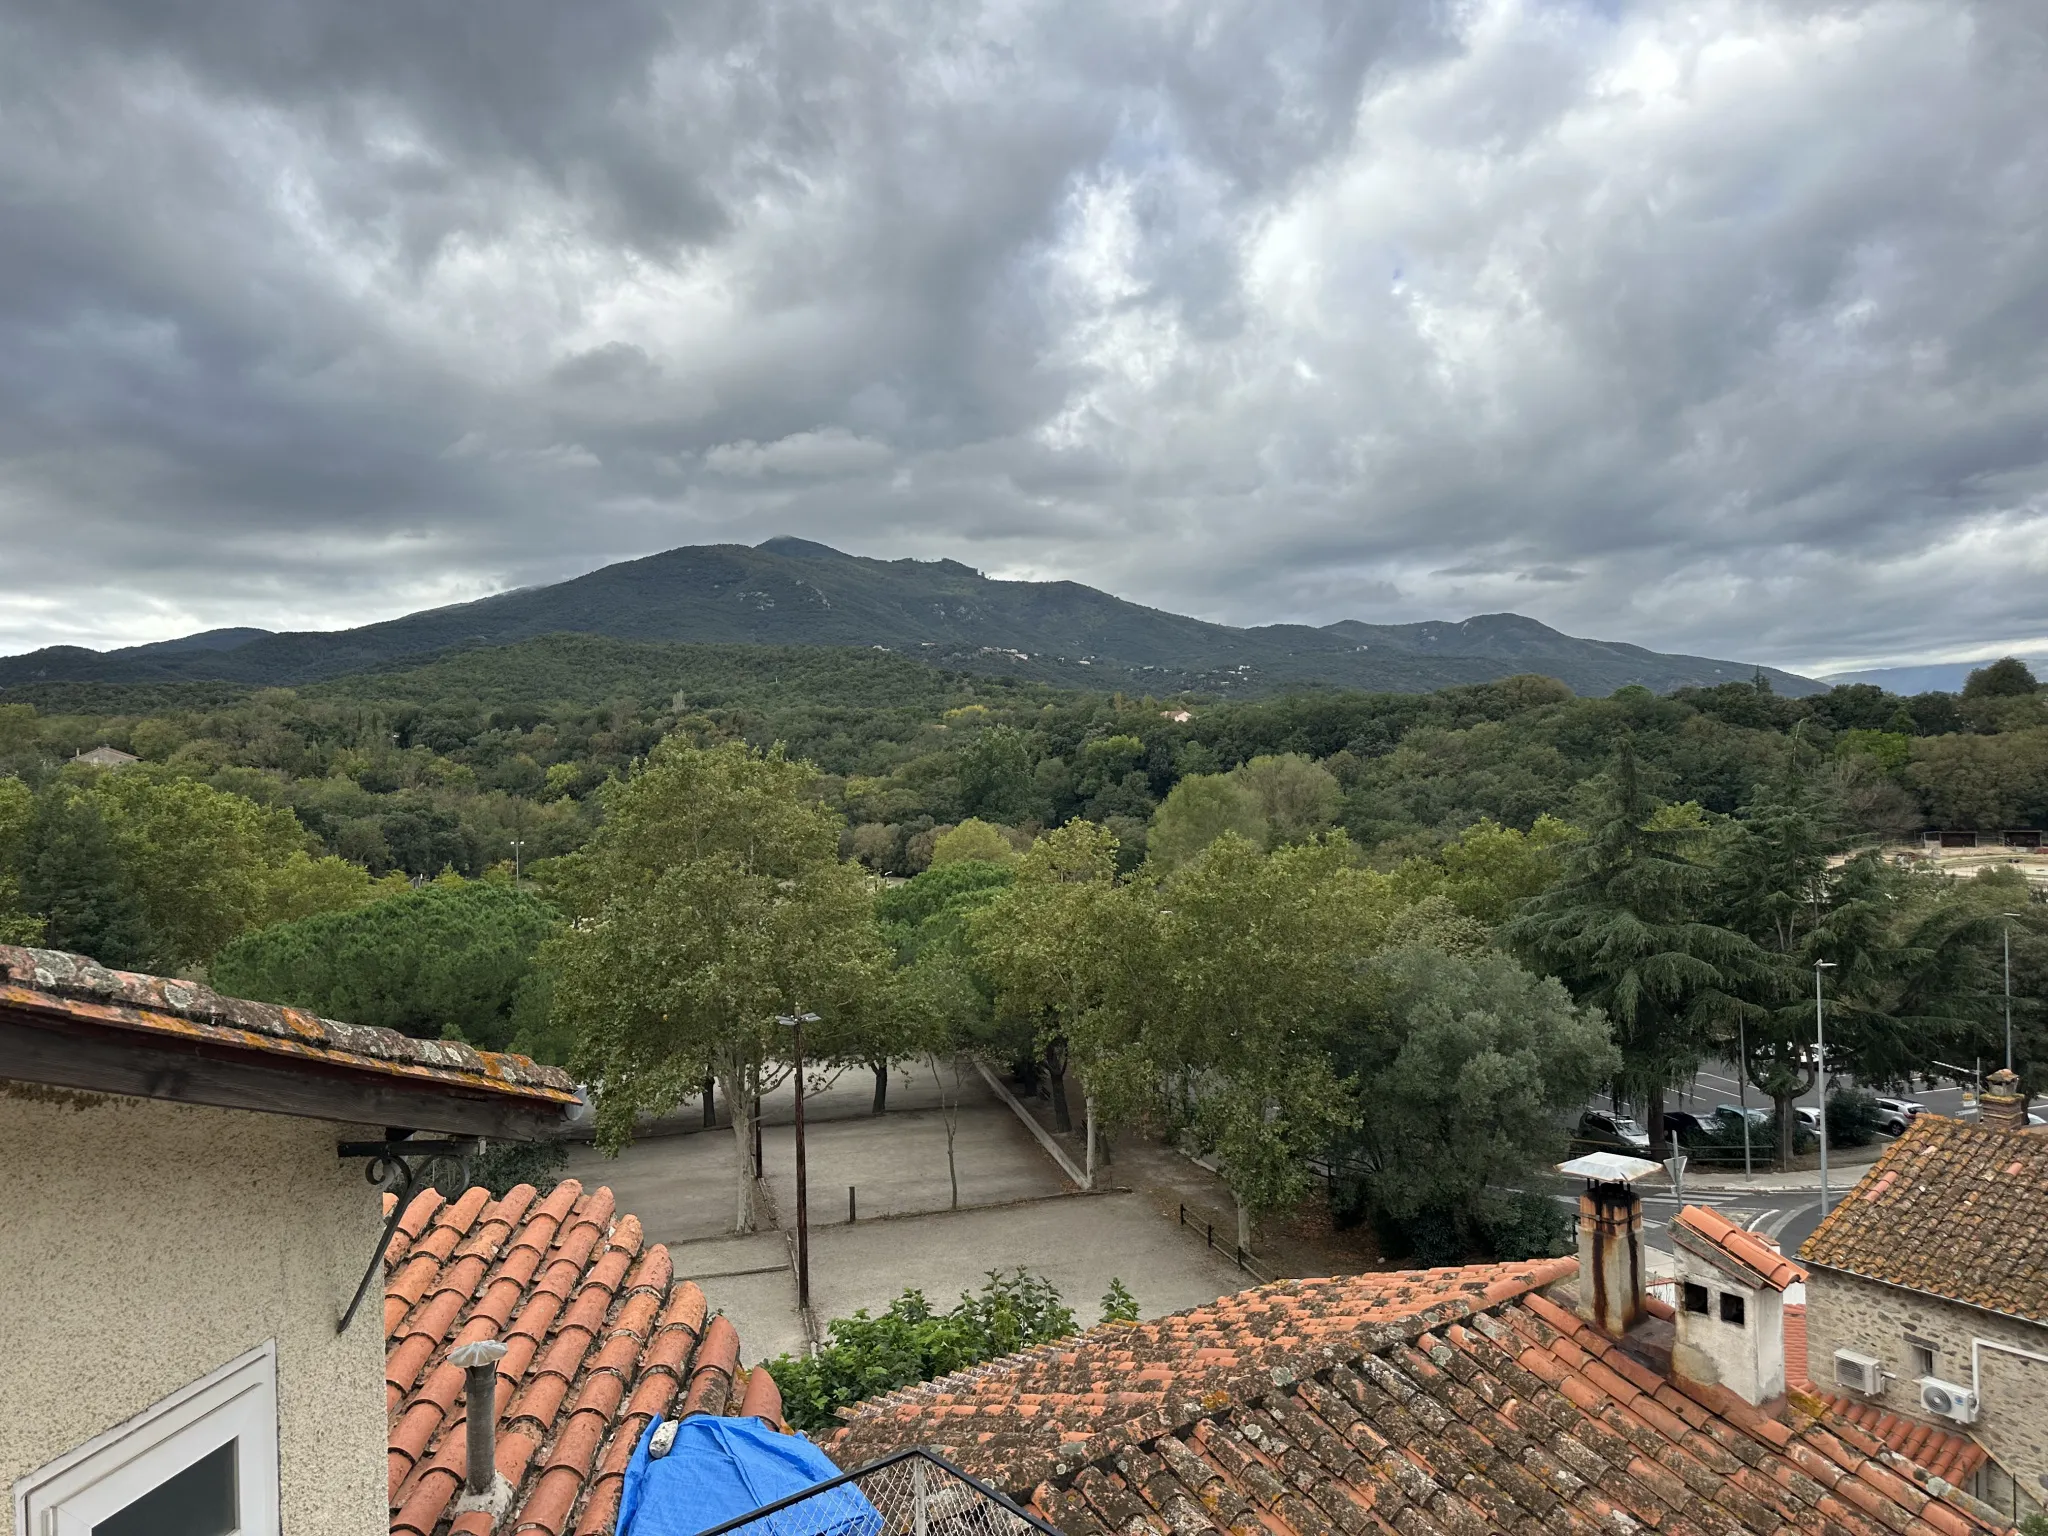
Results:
<point x="1845" y="1312"/>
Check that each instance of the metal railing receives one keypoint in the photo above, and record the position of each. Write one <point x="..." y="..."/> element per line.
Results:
<point x="909" y="1493"/>
<point x="1236" y="1255"/>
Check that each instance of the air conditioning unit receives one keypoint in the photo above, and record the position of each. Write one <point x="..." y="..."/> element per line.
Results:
<point x="1857" y="1372"/>
<point x="1948" y="1400"/>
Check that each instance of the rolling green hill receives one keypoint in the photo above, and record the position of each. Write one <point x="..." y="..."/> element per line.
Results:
<point x="790" y="592"/>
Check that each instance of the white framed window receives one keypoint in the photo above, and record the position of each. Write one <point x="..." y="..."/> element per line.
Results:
<point x="203" y="1462"/>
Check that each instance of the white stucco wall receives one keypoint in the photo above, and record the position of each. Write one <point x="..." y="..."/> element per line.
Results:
<point x="1748" y="1360"/>
<point x="145" y="1244"/>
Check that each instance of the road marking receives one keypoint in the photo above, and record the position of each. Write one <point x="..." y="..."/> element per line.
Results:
<point x="1782" y="1222"/>
<point x="1756" y="1222"/>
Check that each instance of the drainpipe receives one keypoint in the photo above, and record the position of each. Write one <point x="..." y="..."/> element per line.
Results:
<point x="1977" y="1347"/>
<point x="479" y="1363"/>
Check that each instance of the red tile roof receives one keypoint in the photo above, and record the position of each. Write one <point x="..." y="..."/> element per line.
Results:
<point x="1941" y="1452"/>
<point x="1726" y="1240"/>
<point x="1470" y="1404"/>
<point x="71" y="989"/>
<point x="1017" y="1410"/>
<point x="600" y="1336"/>
<point x="1952" y="1210"/>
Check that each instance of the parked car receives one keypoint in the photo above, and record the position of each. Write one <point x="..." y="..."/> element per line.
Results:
<point x="1733" y="1113"/>
<point x="1898" y="1114"/>
<point x="1610" y="1132"/>
<point x="1685" y="1125"/>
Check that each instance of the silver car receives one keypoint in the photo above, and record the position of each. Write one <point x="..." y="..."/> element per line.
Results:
<point x="1894" y="1115"/>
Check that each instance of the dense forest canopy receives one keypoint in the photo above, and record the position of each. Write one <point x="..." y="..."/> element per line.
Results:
<point x="1236" y="920"/>
<point x="446" y="766"/>
<point x="487" y="757"/>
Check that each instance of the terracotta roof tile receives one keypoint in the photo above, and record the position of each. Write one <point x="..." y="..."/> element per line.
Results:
<point x="1458" y="1402"/>
<point x="1718" y="1236"/>
<point x="1941" y="1452"/>
<point x="1949" y="1210"/>
<point x="76" y="990"/>
<point x="599" y="1336"/>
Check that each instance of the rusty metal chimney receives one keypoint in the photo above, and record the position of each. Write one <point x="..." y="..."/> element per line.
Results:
<point x="479" y="1365"/>
<point x="1611" y="1271"/>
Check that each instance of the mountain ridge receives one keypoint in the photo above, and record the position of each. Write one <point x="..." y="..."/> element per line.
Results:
<point x="790" y="591"/>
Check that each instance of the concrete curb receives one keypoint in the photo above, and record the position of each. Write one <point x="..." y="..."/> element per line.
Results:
<point x="1038" y="1132"/>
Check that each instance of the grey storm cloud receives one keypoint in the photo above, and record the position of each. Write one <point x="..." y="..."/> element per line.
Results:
<point x="1715" y="325"/>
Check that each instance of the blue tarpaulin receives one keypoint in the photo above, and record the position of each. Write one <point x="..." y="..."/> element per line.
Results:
<point x="719" y="1469"/>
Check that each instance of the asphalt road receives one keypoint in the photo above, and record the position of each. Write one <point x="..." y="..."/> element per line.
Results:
<point x="1716" y="1085"/>
<point x="1788" y="1217"/>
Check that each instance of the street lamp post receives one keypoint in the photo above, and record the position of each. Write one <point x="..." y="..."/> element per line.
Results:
<point x="1820" y="1078"/>
<point x="517" y="844"/>
<point x="1742" y="1091"/>
<point x="2008" y="988"/>
<point x="797" y="1022"/>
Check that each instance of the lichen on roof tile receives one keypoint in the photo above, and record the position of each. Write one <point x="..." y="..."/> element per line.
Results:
<point x="59" y="985"/>
<point x="1453" y="1401"/>
<point x="1900" y="1224"/>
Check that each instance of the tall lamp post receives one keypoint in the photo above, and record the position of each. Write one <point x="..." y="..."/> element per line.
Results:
<point x="1820" y="1077"/>
<point x="2008" y="989"/>
<point x="1742" y="1091"/>
<point x="517" y="844"/>
<point x="796" y="1022"/>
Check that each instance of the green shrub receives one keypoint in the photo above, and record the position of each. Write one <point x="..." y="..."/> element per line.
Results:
<point x="910" y="1343"/>
<point x="1118" y="1304"/>
<point x="1853" y="1118"/>
<point x="1524" y="1224"/>
<point x="1434" y="1236"/>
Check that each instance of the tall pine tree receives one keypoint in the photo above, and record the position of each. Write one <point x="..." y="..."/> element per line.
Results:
<point x="71" y="875"/>
<point x="1623" y="930"/>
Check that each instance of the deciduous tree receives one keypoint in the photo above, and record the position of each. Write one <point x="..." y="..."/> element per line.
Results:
<point x="1463" y="1068"/>
<point x="1052" y="943"/>
<point x="1252" y="963"/>
<point x="710" y="902"/>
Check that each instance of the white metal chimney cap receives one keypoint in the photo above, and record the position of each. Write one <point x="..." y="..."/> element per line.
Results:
<point x="1611" y="1168"/>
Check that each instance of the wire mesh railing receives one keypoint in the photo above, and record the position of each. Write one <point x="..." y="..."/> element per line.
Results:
<point x="910" y="1493"/>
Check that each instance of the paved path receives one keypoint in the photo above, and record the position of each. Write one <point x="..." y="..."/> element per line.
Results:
<point x="1017" y="1210"/>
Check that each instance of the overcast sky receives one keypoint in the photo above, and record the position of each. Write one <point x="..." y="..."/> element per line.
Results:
<point x="1713" y="325"/>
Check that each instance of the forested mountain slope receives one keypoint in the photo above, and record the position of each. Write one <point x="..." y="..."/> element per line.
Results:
<point x="789" y="592"/>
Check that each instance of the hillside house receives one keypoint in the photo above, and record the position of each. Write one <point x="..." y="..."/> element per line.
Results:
<point x="1927" y="1300"/>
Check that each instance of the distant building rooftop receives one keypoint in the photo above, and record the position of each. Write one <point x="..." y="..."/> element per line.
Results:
<point x="106" y="757"/>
